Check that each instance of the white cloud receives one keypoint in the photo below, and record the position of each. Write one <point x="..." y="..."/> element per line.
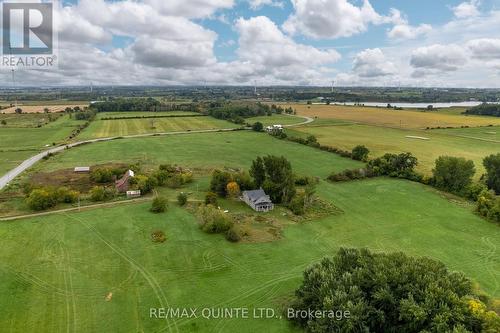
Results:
<point x="444" y="58"/>
<point x="262" y="42"/>
<point x="373" y="63"/>
<point x="257" y="4"/>
<point x="190" y="8"/>
<point x="406" y="31"/>
<point x="332" y="19"/>
<point x="485" y="48"/>
<point x="467" y="9"/>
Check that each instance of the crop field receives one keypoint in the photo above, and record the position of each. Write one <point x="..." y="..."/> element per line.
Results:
<point x="143" y="114"/>
<point x="393" y="118"/>
<point x="41" y="108"/>
<point x="485" y="133"/>
<point x="18" y="143"/>
<point x="25" y="120"/>
<point x="382" y="140"/>
<point x="121" y="127"/>
<point x="99" y="270"/>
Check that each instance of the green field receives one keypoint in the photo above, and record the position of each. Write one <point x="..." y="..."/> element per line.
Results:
<point x="121" y="127"/>
<point x="60" y="281"/>
<point x="485" y="133"/>
<point x="276" y="120"/>
<point x="16" y="144"/>
<point x="142" y="114"/>
<point x="202" y="151"/>
<point x="25" y="120"/>
<point x="381" y="140"/>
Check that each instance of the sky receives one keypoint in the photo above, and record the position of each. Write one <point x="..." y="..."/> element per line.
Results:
<point x="428" y="43"/>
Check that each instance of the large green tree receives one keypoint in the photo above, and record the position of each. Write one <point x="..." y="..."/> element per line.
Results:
<point x="492" y="166"/>
<point x="274" y="174"/>
<point x="382" y="292"/>
<point x="258" y="171"/>
<point x="453" y="174"/>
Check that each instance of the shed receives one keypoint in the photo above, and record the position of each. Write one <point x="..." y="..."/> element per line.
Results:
<point x="133" y="194"/>
<point x="82" y="169"/>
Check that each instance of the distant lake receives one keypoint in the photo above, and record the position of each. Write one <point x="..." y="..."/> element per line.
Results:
<point x="417" y="105"/>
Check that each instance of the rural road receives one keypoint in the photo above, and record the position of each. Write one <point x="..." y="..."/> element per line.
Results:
<point x="9" y="176"/>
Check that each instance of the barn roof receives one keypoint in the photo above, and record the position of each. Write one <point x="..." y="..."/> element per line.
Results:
<point x="258" y="196"/>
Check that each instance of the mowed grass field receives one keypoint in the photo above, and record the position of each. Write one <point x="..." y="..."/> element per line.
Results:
<point x="276" y="120"/>
<point x="484" y="133"/>
<point x="381" y="140"/>
<point x="99" y="270"/>
<point x="25" y="120"/>
<point x="143" y="114"/>
<point x="405" y="119"/>
<point x="18" y="143"/>
<point x="121" y="127"/>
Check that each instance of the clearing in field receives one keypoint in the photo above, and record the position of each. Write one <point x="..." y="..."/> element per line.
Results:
<point x="381" y="140"/>
<point x="393" y="118"/>
<point x="122" y="127"/>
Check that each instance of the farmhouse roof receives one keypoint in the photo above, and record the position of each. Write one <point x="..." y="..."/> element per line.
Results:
<point x="257" y="196"/>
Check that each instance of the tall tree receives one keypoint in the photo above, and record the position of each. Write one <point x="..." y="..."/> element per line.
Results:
<point x="453" y="174"/>
<point x="492" y="166"/>
<point x="258" y="172"/>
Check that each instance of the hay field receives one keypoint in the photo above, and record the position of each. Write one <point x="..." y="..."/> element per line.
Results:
<point x="393" y="118"/>
<point x="40" y="108"/>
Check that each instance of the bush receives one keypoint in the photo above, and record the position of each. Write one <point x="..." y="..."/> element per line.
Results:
<point x="214" y="221"/>
<point x="473" y="191"/>
<point x="297" y="204"/>
<point x="158" y="236"/>
<point x="233" y="234"/>
<point x="41" y="199"/>
<point x="257" y="127"/>
<point x="66" y="196"/>
<point x="100" y="193"/>
<point x="384" y="293"/>
<point x="360" y="153"/>
<point x="182" y="199"/>
<point x="175" y="181"/>
<point x="101" y="175"/>
<point x="211" y="199"/>
<point x="492" y="166"/>
<point x="146" y="184"/>
<point x="159" y="205"/>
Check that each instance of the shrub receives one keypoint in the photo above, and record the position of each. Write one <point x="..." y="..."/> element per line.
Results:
<point x="101" y="175"/>
<point x="158" y="236"/>
<point x="257" y="126"/>
<point x="41" y="199"/>
<point x="360" y="153"/>
<point x="175" y="181"/>
<point x="214" y="221"/>
<point x="473" y="191"/>
<point x="233" y="189"/>
<point x="146" y="184"/>
<point x="211" y="199"/>
<point x="159" y="205"/>
<point x="384" y="293"/>
<point x="297" y="204"/>
<point x="182" y="199"/>
<point x="233" y="234"/>
<point x="97" y="193"/>
<point x="65" y="195"/>
<point x="492" y="166"/>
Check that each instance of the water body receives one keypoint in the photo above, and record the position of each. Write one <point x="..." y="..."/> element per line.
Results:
<point x="417" y="105"/>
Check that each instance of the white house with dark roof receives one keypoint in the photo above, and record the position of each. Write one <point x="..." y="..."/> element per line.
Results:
<point x="258" y="200"/>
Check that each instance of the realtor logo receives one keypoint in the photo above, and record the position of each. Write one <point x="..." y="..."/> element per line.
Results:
<point x="27" y="28"/>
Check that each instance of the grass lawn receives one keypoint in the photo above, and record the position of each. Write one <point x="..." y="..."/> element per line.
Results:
<point x="393" y="118"/>
<point x="486" y="133"/>
<point x="120" y="127"/>
<point x="381" y="140"/>
<point x="25" y="119"/>
<point x="276" y="120"/>
<point x="99" y="270"/>
<point x="101" y="115"/>
<point x="201" y="151"/>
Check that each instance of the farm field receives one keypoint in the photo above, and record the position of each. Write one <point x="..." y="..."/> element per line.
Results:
<point x="25" y="120"/>
<point x="40" y="108"/>
<point x="121" y="127"/>
<point x="98" y="269"/>
<point x="276" y="120"/>
<point x="486" y="133"/>
<point x="101" y="115"/>
<point x="381" y="140"/>
<point x="18" y="143"/>
<point x="392" y="118"/>
<point x="202" y="151"/>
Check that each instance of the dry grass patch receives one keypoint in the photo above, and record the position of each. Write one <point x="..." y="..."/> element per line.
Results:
<point x="41" y="108"/>
<point x="392" y="118"/>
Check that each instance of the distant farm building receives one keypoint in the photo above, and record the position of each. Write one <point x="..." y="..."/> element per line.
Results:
<point x="82" y="169"/>
<point x="122" y="185"/>
<point x="133" y="194"/>
<point x="274" y="128"/>
<point x="258" y="200"/>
